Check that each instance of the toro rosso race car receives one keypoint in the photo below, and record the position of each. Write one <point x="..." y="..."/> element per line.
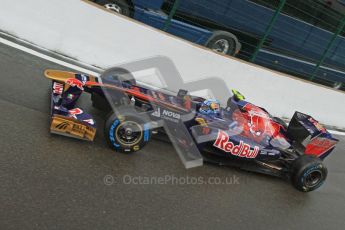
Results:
<point x="240" y="134"/>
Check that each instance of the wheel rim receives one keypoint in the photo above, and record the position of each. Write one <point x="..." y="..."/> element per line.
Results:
<point x="221" y="46"/>
<point x="313" y="178"/>
<point x="113" y="7"/>
<point x="129" y="133"/>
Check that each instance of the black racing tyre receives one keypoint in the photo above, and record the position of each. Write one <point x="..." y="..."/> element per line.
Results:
<point x="100" y="102"/>
<point x="308" y="173"/>
<point x="117" y="99"/>
<point x="281" y="122"/>
<point x="127" y="133"/>
<point x="118" y="6"/>
<point x="224" y="42"/>
<point x="230" y="106"/>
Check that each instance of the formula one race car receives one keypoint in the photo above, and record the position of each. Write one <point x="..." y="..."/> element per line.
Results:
<point x="241" y="134"/>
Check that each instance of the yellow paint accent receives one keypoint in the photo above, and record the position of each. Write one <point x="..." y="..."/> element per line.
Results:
<point x="238" y="95"/>
<point x="201" y="121"/>
<point x="62" y="76"/>
<point x="70" y="126"/>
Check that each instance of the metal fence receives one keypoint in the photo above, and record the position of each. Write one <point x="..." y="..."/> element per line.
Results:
<point x="304" y="38"/>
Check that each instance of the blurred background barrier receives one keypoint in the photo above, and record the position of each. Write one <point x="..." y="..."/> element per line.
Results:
<point x="98" y="37"/>
<point x="304" y="38"/>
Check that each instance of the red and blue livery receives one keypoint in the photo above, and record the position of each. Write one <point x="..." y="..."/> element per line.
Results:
<point x="239" y="134"/>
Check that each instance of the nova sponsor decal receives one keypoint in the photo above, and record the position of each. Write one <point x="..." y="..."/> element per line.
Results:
<point x="57" y="88"/>
<point x="75" y="83"/>
<point x="241" y="150"/>
<point x="171" y="114"/>
<point x="157" y="113"/>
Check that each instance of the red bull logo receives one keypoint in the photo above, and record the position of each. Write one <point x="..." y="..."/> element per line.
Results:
<point x="57" y="88"/>
<point x="75" y="112"/>
<point x="75" y="83"/>
<point x="241" y="150"/>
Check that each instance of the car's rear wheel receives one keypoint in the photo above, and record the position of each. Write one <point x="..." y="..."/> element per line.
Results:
<point x="308" y="173"/>
<point x="118" y="6"/>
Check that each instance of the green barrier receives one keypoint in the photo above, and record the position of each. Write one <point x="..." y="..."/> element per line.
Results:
<point x="329" y="46"/>
<point x="171" y="15"/>
<point x="268" y="29"/>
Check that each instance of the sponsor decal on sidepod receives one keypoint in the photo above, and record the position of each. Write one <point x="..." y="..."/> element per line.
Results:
<point x="57" y="88"/>
<point x="241" y="150"/>
<point x="166" y="114"/>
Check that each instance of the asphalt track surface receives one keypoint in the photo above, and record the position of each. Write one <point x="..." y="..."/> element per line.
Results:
<point x="54" y="182"/>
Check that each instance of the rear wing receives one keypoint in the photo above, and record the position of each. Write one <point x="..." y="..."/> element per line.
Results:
<point x="311" y="136"/>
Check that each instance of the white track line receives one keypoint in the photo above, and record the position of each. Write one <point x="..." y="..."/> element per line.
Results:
<point x="46" y="57"/>
<point x="78" y="68"/>
<point x="339" y="133"/>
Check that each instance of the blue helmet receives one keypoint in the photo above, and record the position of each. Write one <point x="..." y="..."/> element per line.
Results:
<point x="210" y="107"/>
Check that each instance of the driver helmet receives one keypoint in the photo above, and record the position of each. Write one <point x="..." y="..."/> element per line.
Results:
<point x="210" y="107"/>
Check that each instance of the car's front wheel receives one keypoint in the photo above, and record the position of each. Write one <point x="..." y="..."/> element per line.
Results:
<point x="127" y="132"/>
